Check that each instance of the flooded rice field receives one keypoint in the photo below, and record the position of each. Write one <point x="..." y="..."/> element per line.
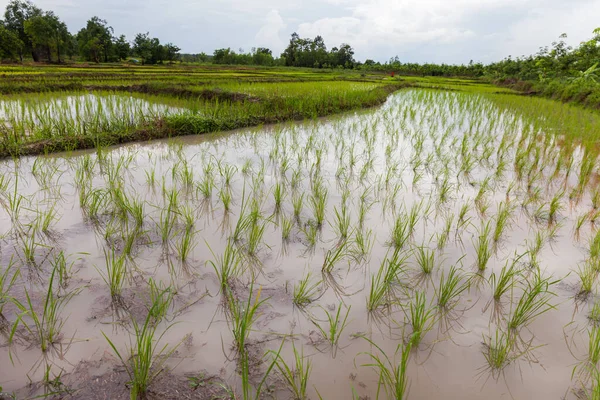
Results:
<point x="439" y="246"/>
<point x="73" y="113"/>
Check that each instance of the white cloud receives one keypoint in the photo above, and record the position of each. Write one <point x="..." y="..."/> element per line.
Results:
<point x="269" y="35"/>
<point x="451" y="31"/>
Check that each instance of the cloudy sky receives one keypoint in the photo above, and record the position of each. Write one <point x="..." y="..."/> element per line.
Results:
<point x="451" y="31"/>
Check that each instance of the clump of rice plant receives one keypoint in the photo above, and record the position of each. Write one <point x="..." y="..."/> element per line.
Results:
<point x="115" y="274"/>
<point x="306" y="291"/>
<point x="336" y="323"/>
<point x="587" y="276"/>
<point x="499" y="350"/>
<point x="504" y="283"/>
<point x="146" y="358"/>
<point x="425" y="260"/>
<point x="421" y="319"/>
<point x="228" y="265"/>
<point x="400" y="232"/>
<point x="339" y="252"/>
<point x="482" y="247"/>
<point x="502" y="220"/>
<point x="449" y="290"/>
<point x="296" y="375"/>
<point x="535" y="301"/>
<point x="6" y="283"/>
<point x="382" y="292"/>
<point x="392" y="374"/>
<point x="44" y="327"/>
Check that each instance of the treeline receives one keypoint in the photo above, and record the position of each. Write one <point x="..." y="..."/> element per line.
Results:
<point x="301" y="52"/>
<point x="27" y="30"/>
<point x="559" y="71"/>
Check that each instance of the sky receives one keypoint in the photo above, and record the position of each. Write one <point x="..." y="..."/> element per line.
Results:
<point x="448" y="31"/>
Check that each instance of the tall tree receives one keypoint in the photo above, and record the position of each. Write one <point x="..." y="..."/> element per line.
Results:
<point x="17" y="12"/>
<point x="95" y="40"/>
<point x="11" y="47"/>
<point x="122" y="47"/>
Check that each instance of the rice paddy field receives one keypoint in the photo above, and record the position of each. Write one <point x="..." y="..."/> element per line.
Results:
<point x="440" y="244"/>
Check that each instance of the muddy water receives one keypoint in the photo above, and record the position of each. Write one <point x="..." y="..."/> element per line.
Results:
<point x="398" y="156"/>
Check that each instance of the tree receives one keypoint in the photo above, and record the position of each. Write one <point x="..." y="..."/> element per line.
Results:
<point x="142" y="46"/>
<point x="122" y="48"/>
<point x="39" y="30"/>
<point x="11" y="47"/>
<point x="171" y="52"/>
<point x="17" y="12"/>
<point x="95" y="40"/>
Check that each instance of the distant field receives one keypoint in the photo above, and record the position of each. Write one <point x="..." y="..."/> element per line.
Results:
<point x="46" y="109"/>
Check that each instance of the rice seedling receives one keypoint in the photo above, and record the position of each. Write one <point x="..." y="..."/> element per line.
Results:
<point x="318" y="202"/>
<point x="382" y="291"/>
<point x="295" y="376"/>
<point x="392" y="375"/>
<point x="286" y="228"/>
<point x="504" y="283"/>
<point x="363" y="243"/>
<point x="425" y="258"/>
<point x="499" y="350"/>
<point x="442" y="237"/>
<point x="587" y="277"/>
<point x="6" y="283"/>
<point x="339" y="252"/>
<point x="243" y="315"/>
<point x="297" y="204"/>
<point x="115" y="275"/>
<point x="593" y="356"/>
<point x="535" y="301"/>
<point x="256" y="232"/>
<point x="400" y="232"/>
<point x="449" y="290"/>
<point x="332" y="330"/>
<point x="225" y="198"/>
<point x="226" y="266"/>
<point x="421" y="319"/>
<point x="502" y="221"/>
<point x="278" y="196"/>
<point x="186" y="244"/>
<point x="594" y="314"/>
<point x="45" y="327"/>
<point x="146" y="358"/>
<point x="160" y="300"/>
<point x="482" y="247"/>
<point x="342" y="221"/>
<point x="306" y="291"/>
<point x="555" y="207"/>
